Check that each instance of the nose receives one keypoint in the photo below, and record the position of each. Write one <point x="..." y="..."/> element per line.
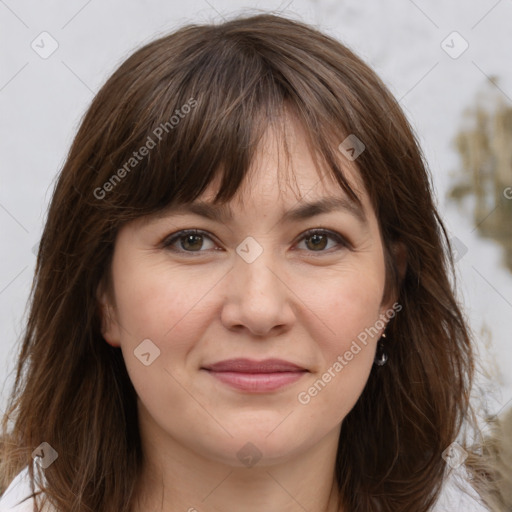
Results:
<point x="258" y="297"/>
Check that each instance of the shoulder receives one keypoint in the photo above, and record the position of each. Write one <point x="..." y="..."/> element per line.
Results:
<point x="458" y="494"/>
<point x="18" y="496"/>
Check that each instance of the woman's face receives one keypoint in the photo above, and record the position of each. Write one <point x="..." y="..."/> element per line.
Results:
<point x="252" y="285"/>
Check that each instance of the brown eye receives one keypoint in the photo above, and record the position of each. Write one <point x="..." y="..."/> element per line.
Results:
<point x="187" y="241"/>
<point x="318" y="240"/>
<point x="194" y="241"/>
<point x="191" y="242"/>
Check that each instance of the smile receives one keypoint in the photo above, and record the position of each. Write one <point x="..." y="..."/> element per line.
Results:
<point x="254" y="376"/>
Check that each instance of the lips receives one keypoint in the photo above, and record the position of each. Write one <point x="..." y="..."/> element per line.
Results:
<point x="256" y="376"/>
<point x="249" y="366"/>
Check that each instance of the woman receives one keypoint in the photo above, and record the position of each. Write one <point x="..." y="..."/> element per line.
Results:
<point x="207" y="333"/>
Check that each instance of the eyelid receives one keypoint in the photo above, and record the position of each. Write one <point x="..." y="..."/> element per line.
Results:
<point x="174" y="237"/>
<point x="337" y="237"/>
<point x="169" y="240"/>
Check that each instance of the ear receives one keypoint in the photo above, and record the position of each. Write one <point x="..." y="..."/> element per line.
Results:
<point x="399" y="256"/>
<point x="109" y="325"/>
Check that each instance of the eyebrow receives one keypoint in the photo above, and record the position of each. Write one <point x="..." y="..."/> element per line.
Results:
<point x="223" y="213"/>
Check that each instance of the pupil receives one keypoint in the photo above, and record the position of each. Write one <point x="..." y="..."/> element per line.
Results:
<point x="318" y="238"/>
<point x="188" y="238"/>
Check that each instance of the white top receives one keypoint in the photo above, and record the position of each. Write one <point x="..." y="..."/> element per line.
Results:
<point x="14" y="499"/>
<point x="451" y="498"/>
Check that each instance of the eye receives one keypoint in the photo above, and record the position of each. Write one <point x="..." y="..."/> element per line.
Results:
<point x="318" y="239"/>
<point x="192" y="240"/>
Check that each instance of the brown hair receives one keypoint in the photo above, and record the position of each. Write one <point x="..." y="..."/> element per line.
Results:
<point x="72" y="389"/>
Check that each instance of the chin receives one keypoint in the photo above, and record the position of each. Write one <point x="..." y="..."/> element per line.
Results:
<point x="262" y="447"/>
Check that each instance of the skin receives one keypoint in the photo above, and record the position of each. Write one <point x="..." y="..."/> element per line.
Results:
<point x="297" y="301"/>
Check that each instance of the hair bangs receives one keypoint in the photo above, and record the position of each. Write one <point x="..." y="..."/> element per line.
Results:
<point x="190" y="126"/>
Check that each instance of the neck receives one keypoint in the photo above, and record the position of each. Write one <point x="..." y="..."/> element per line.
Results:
<point x="175" y="478"/>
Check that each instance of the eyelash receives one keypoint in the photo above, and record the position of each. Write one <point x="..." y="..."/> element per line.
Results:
<point x="170" y="240"/>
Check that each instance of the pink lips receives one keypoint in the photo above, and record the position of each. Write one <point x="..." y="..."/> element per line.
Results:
<point x="256" y="376"/>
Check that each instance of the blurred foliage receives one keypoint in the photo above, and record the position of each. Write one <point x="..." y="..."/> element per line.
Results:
<point x="496" y="472"/>
<point x="484" y="182"/>
<point x="485" y="148"/>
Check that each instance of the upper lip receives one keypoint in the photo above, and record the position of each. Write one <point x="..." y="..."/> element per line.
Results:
<point x="252" y="366"/>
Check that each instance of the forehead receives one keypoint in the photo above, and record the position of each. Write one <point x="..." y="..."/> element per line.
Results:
<point x="284" y="178"/>
<point x="286" y="156"/>
<point x="288" y="207"/>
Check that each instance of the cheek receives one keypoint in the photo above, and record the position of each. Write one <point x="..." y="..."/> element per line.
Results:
<point x="354" y="312"/>
<point x="349" y="307"/>
<point x="156" y="303"/>
<point x="155" y="300"/>
<point x="348" y="304"/>
<point x="346" y="362"/>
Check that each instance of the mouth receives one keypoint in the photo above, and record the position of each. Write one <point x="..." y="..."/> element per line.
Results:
<point x="256" y="376"/>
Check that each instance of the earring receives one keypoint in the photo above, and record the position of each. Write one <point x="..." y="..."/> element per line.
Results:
<point x="381" y="355"/>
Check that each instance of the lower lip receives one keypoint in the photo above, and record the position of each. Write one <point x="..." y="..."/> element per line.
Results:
<point x="257" y="382"/>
